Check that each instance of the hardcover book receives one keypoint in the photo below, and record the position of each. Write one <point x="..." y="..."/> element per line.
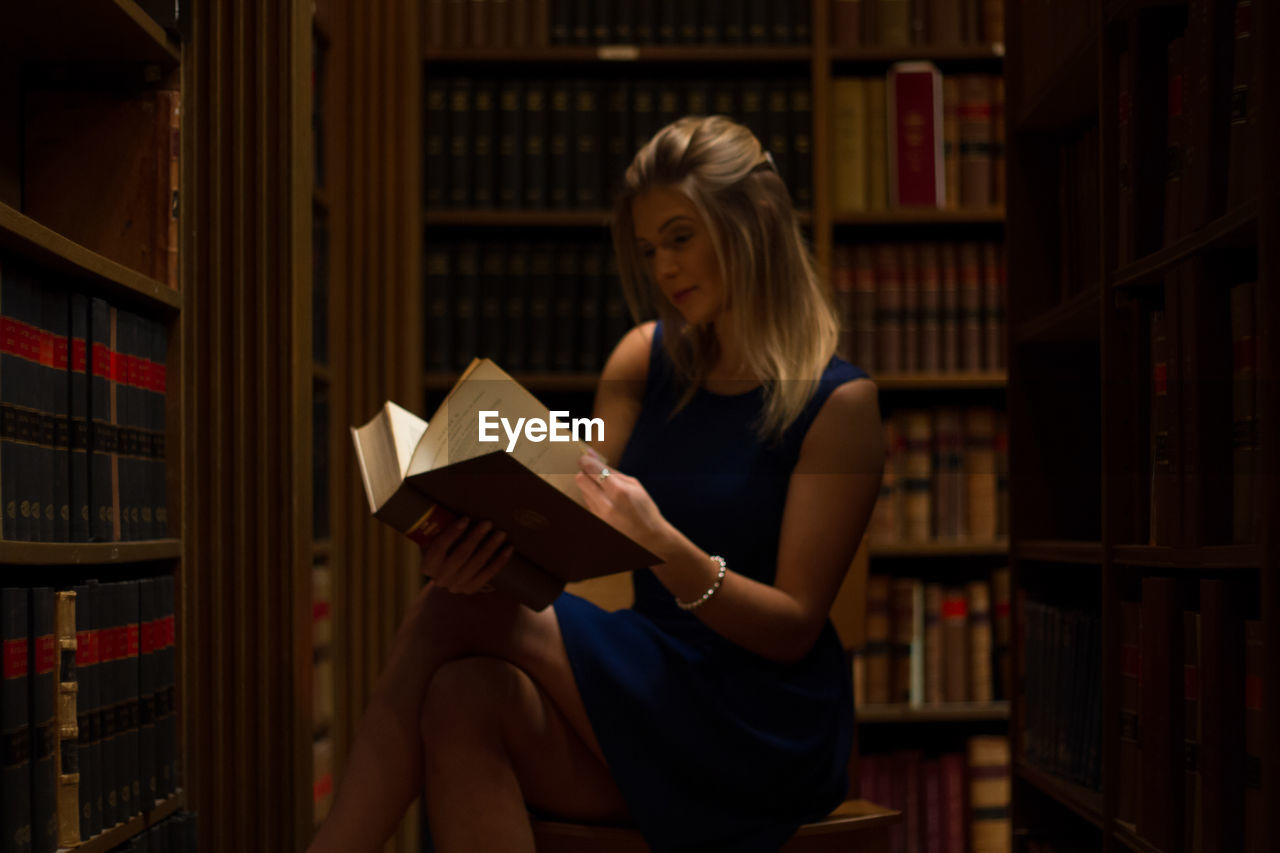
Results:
<point x="421" y="475"/>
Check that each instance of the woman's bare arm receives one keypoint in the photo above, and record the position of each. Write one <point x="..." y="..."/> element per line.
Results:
<point x="829" y="501"/>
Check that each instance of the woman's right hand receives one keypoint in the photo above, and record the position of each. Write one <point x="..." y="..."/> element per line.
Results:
<point x="464" y="557"/>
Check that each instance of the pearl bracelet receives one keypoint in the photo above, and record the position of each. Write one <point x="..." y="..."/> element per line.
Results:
<point x="714" y="588"/>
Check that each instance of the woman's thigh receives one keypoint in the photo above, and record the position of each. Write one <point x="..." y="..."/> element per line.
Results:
<point x="474" y="703"/>
<point x="498" y="627"/>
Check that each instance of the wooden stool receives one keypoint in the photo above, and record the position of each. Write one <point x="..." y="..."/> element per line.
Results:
<point x="856" y="825"/>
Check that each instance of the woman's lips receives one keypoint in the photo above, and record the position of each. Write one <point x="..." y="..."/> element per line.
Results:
<point x="681" y="295"/>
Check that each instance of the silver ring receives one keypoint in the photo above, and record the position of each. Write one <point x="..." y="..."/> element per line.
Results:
<point x="603" y="475"/>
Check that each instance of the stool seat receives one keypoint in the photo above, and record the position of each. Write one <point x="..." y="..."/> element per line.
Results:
<point x="855" y="825"/>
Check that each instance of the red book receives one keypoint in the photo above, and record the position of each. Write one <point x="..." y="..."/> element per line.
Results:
<point x="916" y="175"/>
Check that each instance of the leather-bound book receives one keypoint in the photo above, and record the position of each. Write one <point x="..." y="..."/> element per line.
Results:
<point x="66" y="744"/>
<point x="916" y="174"/>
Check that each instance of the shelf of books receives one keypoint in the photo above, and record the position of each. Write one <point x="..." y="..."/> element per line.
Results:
<point x="90" y="307"/>
<point x="1143" y="402"/>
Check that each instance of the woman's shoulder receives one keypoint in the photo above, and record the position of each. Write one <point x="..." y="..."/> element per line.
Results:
<point x="629" y="360"/>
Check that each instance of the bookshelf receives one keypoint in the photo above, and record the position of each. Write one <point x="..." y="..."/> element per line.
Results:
<point x="1159" y="349"/>
<point x="93" y="308"/>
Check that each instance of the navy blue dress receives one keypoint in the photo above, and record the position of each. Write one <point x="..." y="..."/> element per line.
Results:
<point x="713" y="747"/>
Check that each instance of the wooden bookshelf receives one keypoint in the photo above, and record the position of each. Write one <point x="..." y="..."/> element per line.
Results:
<point x="955" y="712"/>
<point x="992" y="548"/>
<point x="89" y="553"/>
<point x="920" y="216"/>
<point x="1084" y="548"/>
<point x="27" y="238"/>
<point x="976" y="381"/>
<point x="990" y="54"/>
<point x="104" y="31"/>
<point x="121" y="833"/>
<point x="645" y="54"/>
<point x="1084" y="802"/>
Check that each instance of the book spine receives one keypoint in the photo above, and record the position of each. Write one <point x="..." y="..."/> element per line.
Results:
<point x="989" y="792"/>
<point x="910" y="307"/>
<point x="918" y="504"/>
<point x="56" y="355"/>
<point x="438" y="308"/>
<point x="560" y="189"/>
<point x="158" y="386"/>
<point x="877" y="649"/>
<point x="929" y="279"/>
<point x="1162" y="707"/>
<point x="66" y="744"/>
<point x="842" y="285"/>
<point x="565" y="307"/>
<point x="535" y="144"/>
<point x="950" y="313"/>
<point x="980" y="473"/>
<point x="1002" y="631"/>
<point x="970" y="280"/>
<point x="877" y="144"/>
<point x="933" y="662"/>
<point x="981" y="680"/>
<point x="86" y="722"/>
<point x="484" y="116"/>
<point x="15" y="775"/>
<point x="42" y="663"/>
<point x="955" y="618"/>
<point x="492" y="296"/>
<point x="992" y="308"/>
<point x="539" y="307"/>
<point x="147" y="774"/>
<point x="801" y="120"/>
<point x="590" y="309"/>
<point x="618" y="137"/>
<point x="616" y="317"/>
<point x="461" y="139"/>
<point x="511" y="145"/>
<point x="889" y="308"/>
<point x="916" y="170"/>
<point x="975" y="141"/>
<point x="587" y="126"/>
<point x="515" y="308"/>
<point x="466" y="308"/>
<point x="901" y="614"/>
<point x="846" y="23"/>
<point x="850" y="135"/>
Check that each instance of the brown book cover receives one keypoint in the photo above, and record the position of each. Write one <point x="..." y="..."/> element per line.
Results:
<point x="1161" y="705"/>
<point x="992" y="308"/>
<point x="901" y="594"/>
<point x="951" y="138"/>
<point x="419" y="476"/>
<point x="998" y="158"/>
<point x="877" y="144"/>
<point x="955" y="638"/>
<point x="929" y="281"/>
<point x="1192" y="703"/>
<point x="1222" y="718"/>
<point x="1129" y="709"/>
<point x="1164" y="507"/>
<point x="1002" y="474"/>
<point x="981" y="680"/>
<point x="878" y="639"/>
<point x="1176" y="136"/>
<point x="889" y="308"/>
<point x="1125" y="249"/>
<point x="1245" y="450"/>
<point x="111" y="151"/>
<point x="990" y="792"/>
<point x="846" y="23"/>
<point x="918" y="503"/>
<point x="944" y="23"/>
<point x="433" y="27"/>
<point x="980" y="473"/>
<point x="886" y="517"/>
<point x="949" y="307"/>
<point x="1002" y="632"/>
<point x="849" y="133"/>
<point x="916" y="170"/>
<point x="1243" y="133"/>
<point x="993" y="21"/>
<point x="842" y="279"/>
<point x="975" y="140"/>
<point x="455" y="23"/>
<point x="910" y="307"/>
<point x="1256" y="806"/>
<point x="480" y="16"/>
<point x="948" y="474"/>
<point x="933" y="663"/>
<point x="1207" y="102"/>
<point x="954" y="797"/>
<point x="864" y="312"/>
<point x="970" y="274"/>
<point x="893" y="23"/>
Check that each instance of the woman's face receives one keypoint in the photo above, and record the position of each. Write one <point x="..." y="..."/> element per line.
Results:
<point x="675" y="243"/>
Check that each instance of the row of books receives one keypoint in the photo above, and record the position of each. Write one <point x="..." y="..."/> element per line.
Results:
<point x="1195" y="100"/>
<point x="898" y="23"/>
<point x="87" y="705"/>
<point x="546" y="306"/>
<point x="1192" y="720"/>
<point x="1205" y="432"/>
<point x="936" y="307"/>
<point x="119" y="148"/>
<point x="539" y="23"/>
<point x="945" y="477"/>
<point x="178" y="833"/>
<point x="955" y="130"/>
<point x="950" y="803"/>
<point x="1062" y="656"/>
<point x="931" y="642"/>
<point x="566" y="143"/>
<point x="82" y="390"/>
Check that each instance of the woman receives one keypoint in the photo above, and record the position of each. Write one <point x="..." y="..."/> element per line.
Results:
<point x="716" y="714"/>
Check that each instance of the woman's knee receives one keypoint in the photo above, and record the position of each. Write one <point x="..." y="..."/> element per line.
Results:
<point x="467" y="700"/>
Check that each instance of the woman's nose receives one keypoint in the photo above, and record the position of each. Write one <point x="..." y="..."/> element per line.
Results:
<point x="666" y="264"/>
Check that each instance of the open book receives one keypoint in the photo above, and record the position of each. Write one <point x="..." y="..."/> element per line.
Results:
<point x="420" y="476"/>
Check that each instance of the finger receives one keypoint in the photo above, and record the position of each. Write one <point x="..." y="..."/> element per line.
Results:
<point x="481" y="580"/>
<point x="435" y="553"/>
<point x="462" y="552"/>
<point x="480" y="559"/>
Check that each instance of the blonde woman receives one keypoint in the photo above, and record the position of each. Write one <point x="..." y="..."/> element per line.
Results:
<point x="716" y="714"/>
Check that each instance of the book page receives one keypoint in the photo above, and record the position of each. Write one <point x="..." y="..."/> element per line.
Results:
<point x="453" y="433"/>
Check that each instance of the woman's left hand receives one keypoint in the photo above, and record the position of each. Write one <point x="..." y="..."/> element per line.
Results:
<point x="620" y="500"/>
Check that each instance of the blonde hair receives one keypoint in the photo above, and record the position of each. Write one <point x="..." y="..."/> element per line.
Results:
<point x="780" y="309"/>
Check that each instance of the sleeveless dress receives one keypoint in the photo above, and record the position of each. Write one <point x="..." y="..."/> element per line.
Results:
<point x="713" y="747"/>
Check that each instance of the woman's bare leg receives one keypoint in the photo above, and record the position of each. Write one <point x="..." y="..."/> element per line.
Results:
<point x="384" y="770"/>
